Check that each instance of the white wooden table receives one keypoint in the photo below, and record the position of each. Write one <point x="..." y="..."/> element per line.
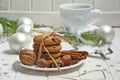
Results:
<point x="9" y="70"/>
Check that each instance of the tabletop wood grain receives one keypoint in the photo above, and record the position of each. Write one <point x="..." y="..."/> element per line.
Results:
<point x="11" y="70"/>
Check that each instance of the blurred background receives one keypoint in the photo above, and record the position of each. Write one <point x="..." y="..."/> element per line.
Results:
<point x="17" y="8"/>
<point x="52" y="5"/>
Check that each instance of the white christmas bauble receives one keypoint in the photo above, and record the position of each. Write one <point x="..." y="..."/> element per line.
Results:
<point x="24" y="29"/>
<point x="17" y="41"/>
<point x="107" y="32"/>
<point x="1" y="29"/>
<point x="25" y="20"/>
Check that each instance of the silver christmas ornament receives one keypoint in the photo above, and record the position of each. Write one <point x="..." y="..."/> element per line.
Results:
<point x="107" y="32"/>
<point x="25" y="20"/>
<point x="25" y="29"/>
<point x="17" y="41"/>
<point x="1" y="29"/>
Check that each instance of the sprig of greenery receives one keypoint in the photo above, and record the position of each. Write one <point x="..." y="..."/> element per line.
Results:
<point x="10" y="26"/>
<point x="92" y="36"/>
<point x="71" y="37"/>
<point x="37" y="26"/>
<point x="88" y="36"/>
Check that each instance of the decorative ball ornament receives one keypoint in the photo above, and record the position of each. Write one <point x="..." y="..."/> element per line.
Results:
<point x="25" y="29"/>
<point x="107" y="32"/>
<point x="25" y="20"/>
<point x="17" y="41"/>
<point x="1" y="29"/>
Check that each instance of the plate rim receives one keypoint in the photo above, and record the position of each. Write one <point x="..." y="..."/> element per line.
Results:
<point x="34" y="67"/>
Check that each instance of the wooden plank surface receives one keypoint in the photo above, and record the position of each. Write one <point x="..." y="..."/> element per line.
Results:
<point x="107" y="5"/>
<point x="56" y="4"/>
<point x="23" y="74"/>
<point x="83" y="1"/>
<point x="110" y="8"/>
<point x="17" y="5"/>
<point x="95" y="64"/>
<point x="7" y="59"/>
<point x="52" y="5"/>
<point x="4" y="5"/>
<point x="41" y="5"/>
<point x="114" y="62"/>
<point x="9" y="70"/>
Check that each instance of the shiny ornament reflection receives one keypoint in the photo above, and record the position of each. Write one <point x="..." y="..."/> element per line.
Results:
<point x="1" y="29"/>
<point x="25" y="29"/>
<point x="25" y="20"/>
<point x="18" y="41"/>
<point x="107" y="32"/>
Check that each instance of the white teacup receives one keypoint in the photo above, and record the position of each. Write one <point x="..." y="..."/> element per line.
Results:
<point x="77" y="16"/>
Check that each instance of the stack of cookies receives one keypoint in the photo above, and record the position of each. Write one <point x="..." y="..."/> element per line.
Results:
<point x="52" y="44"/>
<point x="47" y="52"/>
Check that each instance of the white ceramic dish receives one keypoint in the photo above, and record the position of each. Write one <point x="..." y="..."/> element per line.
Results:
<point x="34" y="67"/>
<point x="65" y="46"/>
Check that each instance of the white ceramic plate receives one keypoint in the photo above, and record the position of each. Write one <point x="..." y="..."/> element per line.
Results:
<point x="34" y="67"/>
<point x="65" y="46"/>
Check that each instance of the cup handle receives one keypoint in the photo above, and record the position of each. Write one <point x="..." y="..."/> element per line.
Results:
<point x="95" y="14"/>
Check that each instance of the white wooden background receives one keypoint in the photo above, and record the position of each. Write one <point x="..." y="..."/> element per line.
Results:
<point x="14" y="8"/>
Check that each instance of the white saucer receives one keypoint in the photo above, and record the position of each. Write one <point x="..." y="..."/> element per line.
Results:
<point x="89" y="28"/>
